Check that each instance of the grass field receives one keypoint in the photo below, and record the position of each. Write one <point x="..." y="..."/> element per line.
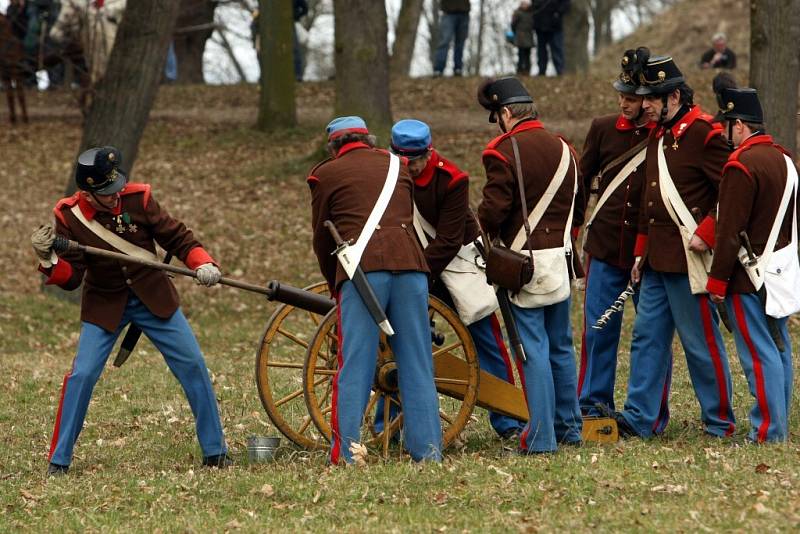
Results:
<point x="137" y="465"/>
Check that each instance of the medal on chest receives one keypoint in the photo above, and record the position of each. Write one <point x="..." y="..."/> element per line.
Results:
<point x="124" y="224"/>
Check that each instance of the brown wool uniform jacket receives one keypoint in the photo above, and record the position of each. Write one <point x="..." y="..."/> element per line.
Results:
<point x="441" y="193"/>
<point x="695" y="154"/>
<point x="344" y="190"/>
<point x="613" y="232"/>
<point x="749" y="196"/>
<point x="500" y="212"/>
<point x="108" y="282"/>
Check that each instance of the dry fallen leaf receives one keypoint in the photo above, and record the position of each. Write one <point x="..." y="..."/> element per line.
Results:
<point x="267" y="490"/>
<point x="762" y="468"/>
<point x="359" y="453"/>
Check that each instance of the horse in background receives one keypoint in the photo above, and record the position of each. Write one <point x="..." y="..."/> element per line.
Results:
<point x="12" y="72"/>
<point x="85" y="30"/>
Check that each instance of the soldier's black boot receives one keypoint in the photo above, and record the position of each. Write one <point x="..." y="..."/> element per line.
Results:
<point x="220" y="461"/>
<point x="623" y="426"/>
<point x="55" y="470"/>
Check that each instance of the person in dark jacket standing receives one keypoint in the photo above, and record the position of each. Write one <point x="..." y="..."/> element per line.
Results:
<point x="612" y="166"/>
<point x="345" y="189"/>
<point x="548" y="21"/>
<point x="110" y="213"/>
<point x="684" y="160"/>
<point x="750" y="194"/>
<point x="549" y="378"/>
<point x="522" y="26"/>
<point x="719" y="56"/>
<point x="454" y="26"/>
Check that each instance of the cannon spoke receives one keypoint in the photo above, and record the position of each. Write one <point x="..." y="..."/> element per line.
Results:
<point x="446" y="417"/>
<point x="293" y="337"/>
<point x="448" y="348"/>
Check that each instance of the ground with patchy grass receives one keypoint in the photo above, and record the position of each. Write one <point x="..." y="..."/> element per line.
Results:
<point x="137" y="462"/>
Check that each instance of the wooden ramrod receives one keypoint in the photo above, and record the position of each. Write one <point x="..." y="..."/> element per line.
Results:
<point x="274" y="291"/>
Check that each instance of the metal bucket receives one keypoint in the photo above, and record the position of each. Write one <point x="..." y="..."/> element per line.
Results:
<point x="262" y="449"/>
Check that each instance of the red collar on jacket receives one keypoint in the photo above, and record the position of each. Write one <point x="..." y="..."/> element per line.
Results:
<point x="626" y="125"/>
<point x="525" y="124"/>
<point x="349" y="147"/>
<point x="89" y="211"/>
<point x="438" y="162"/>
<point x="680" y="127"/>
<point x="760" y="139"/>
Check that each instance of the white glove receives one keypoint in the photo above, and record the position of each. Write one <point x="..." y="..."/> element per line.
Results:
<point x="42" y="240"/>
<point x="208" y="274"/>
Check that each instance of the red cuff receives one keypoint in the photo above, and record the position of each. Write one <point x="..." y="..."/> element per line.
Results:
<point x="641" y="245"/>
<point x="717" y="287"/>
<point x="59" y="274"/>
<point x="197" y="257"/>
<point x="705" y="230"/>
<point x="575" y="231"/>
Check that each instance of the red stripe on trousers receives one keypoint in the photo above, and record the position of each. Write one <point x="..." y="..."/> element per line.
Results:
<point x="501" y="346"/>
<point x="584" y="361"/>
<point x="758" y="370"/>
<point x="336" y="438"/>
<point x="54" y="441"/>
<point x="705" y="314"/>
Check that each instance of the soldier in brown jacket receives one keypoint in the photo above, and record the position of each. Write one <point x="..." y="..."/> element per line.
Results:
<point x="441" y="196"/>
<point x="612" y="167"/>
<point x="549" y="370"/>
<point x="345" y="189"/>
<point x="111" y="214"/>
<point x="753" y="184"/>
<point x="687" y="151"/>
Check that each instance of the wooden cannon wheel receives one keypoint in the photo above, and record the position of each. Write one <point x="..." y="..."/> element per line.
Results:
<point x="279" y="371"/>
<point x="456" y="373"/>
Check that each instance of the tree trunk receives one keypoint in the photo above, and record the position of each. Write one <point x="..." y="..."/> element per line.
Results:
<point x="601" y="16"/>
<point x="433" y="30"/>
<point x="197" y="16"/>
<point x="775" y="65"/>
<point x="405" y="36"/>
<point x="125" y="95"/>
<point x="576" y="37"/>
<point x="276" y="107"/>
<point x="476" y="58"/>
<point x="359" y="46"/>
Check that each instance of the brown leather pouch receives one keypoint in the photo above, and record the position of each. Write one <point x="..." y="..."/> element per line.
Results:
<point x="508" y="269"/>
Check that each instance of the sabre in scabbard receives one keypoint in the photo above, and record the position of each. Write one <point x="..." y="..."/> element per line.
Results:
<point x="508" y="317"/>
<point x="356" y="275"/>
<point x="618" y="306"/>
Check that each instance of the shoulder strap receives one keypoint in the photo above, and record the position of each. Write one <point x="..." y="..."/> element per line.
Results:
<point x="621" y="176"/>
<point x="423" y="228"/>
<point x="625" y="156"/>
<point x="791" y="187"/>
<point x="111" y="238"/>
<point x="377" y="212"/>
<point x="541" y="207"/>
<point x="676" y="208"/>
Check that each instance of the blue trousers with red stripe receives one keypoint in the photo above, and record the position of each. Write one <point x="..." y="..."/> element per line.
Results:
<point x="549" y="377"/>
<point x="404" y="298"/>
<point x="666" y="304"/>
<point x="768" y="370"/>
<point x="174" y="338"/>
<point x="494" y="359"/>
<point x="604" y="284"/>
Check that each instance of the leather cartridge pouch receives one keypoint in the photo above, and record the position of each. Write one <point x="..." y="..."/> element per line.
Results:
<point x="507" y="268"/>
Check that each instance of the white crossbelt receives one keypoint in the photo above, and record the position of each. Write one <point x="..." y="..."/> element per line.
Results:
<point x="111" y="238"/>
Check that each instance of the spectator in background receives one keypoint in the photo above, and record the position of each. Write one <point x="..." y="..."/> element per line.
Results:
<point x="300" y="8"/>
<point x="453" y="26"/>
<point x="522" y="26"/>
<point x="722" y="81"/>
<point x="548" y="21"/>
<point x="171" y="66"/>
<point x="719" y="56"/>
<point x="18" y="17"/>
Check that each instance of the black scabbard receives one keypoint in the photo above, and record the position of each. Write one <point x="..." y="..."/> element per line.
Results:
<point x="132" y="335"/>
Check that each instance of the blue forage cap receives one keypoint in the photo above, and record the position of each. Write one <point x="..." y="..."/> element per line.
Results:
<point x="345" y="125"/>
<point x="411" y="138"/>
